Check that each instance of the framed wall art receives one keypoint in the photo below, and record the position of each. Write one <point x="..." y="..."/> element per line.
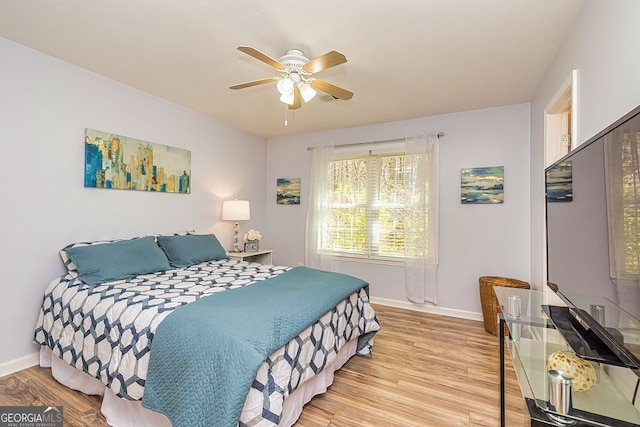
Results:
<point x="288" y="191"/>
<point x="124" y="163"/>
<point x="483" y="185"/>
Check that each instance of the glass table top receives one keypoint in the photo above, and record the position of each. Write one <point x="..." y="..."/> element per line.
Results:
<point x="534" y="337"/>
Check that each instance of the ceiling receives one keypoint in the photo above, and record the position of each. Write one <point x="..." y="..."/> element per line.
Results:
<point x="406" y="59"/>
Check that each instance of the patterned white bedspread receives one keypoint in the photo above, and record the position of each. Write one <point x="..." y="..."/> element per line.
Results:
<point x="107" y="330"/>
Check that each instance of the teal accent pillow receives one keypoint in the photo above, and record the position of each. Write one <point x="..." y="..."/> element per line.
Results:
<point x="123" y="259"/>
<point x="185" y="251"/>
<point x="65" y="256"/>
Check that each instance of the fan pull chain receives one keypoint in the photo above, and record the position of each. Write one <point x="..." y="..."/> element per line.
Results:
<point x="286" y="115"/>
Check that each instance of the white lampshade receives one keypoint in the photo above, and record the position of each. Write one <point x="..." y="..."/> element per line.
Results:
<point x="285" y="86"/>
<point x="307" y="92"/>
<point x="287" y="98"/>
<point x="236" y="210"/>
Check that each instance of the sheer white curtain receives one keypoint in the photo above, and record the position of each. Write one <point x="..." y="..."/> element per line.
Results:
<point x="316" y="234"/>
<point x="421" y="218"/>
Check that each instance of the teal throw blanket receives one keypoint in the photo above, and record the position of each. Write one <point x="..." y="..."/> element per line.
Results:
<point x="205" y="355"/>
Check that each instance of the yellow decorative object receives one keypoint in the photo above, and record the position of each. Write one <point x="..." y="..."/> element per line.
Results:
<point x="582" y="373"/>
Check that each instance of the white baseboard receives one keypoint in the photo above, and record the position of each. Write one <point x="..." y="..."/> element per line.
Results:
<point x="426" y="308"/>
<point x="19" y="364"/>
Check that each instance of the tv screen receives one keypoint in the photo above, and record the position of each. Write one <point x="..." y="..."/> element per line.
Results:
<point x="593" y="216"/>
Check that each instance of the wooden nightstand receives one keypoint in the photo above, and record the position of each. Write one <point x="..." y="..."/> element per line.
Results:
<point x="262" y="257"/>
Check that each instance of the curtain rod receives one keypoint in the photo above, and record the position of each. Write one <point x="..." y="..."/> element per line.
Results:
<point x="354" y="144"/>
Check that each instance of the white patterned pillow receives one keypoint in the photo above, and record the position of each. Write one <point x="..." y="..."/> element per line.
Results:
<point x="176" y="233"/>
<point x="71" y="267"/>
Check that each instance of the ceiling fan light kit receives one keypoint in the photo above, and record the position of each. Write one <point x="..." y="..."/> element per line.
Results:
<point x="287" y="97"/>
<point x="285" y="85"/>
<point x="296" y="83"/>
<point x="306" y="91"/>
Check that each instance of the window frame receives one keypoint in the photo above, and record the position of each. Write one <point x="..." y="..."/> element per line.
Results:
<point x="372" y="206"/>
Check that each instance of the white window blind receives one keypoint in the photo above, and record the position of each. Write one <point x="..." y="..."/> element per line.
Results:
<point x="367" y="206"/>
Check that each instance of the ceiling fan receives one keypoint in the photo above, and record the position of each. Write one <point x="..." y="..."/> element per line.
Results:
<point x="295" y="82"/>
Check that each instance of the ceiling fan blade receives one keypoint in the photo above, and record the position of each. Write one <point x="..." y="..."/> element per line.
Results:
<point x="297" y="99"/>
<point x="262" y="57"/>
<point x="335" y="91"/>
<point x="328" y="60"/>
<point x="253" y="83"/>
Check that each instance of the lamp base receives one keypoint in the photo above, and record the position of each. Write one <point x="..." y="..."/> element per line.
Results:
<point x="236" y="247"/>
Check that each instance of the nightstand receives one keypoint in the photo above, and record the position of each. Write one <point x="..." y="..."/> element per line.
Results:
<point x="261" y="257"/>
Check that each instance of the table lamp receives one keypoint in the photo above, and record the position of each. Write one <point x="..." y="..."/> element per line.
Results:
<point x="236" y="210"/>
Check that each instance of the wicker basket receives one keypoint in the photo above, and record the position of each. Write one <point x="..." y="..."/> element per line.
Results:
<point x="490" y="306"/>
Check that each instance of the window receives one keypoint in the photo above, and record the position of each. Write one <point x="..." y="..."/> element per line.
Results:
<point x="367" y="206"/>
<point x="380" y="206"/>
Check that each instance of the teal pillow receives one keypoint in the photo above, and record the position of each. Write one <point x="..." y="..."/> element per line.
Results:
<point x="185" y="251"/>
<point x="123" y="259"/>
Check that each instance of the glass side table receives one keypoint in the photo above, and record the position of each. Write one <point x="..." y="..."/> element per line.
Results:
<point x="532" y="336"/>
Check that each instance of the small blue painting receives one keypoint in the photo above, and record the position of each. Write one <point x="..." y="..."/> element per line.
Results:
<point x="483" y="185"/>
<point x="560" y="182"/>
<point x="288" y="191"/>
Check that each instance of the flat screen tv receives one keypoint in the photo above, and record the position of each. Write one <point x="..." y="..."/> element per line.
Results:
<point x="592" y="197"/>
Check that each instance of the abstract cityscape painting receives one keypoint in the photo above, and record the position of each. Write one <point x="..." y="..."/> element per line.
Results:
<point x="560" y="182"/>
<point x="288" y="191"/>
<point x="123" y="163"/>
<point x="483" y="185"/>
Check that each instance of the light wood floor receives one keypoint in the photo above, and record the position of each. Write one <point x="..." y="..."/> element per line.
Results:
<point x="426" y="370"/>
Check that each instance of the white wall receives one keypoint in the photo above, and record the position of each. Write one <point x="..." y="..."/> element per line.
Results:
<point x="45" y="105"/>
<point x="475" y="240"/>
<point x="602" y="46"/>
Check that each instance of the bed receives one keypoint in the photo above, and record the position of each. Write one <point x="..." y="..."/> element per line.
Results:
<point x="170" y="331"/>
